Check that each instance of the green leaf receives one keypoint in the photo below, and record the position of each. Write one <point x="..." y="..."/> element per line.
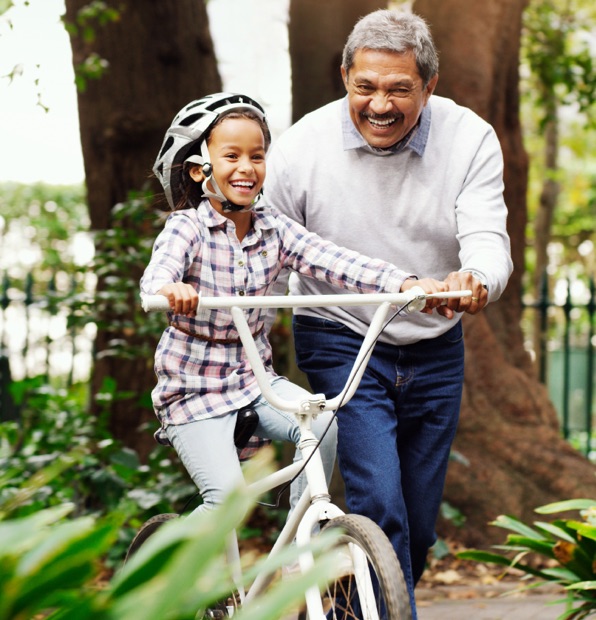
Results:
<point x="583" y="529"/>
<point x="582" y="585"/>
<point x="19" y="535"/>
<point x="543" y="547"/>
<point x="515" y="525"/>
<point x="484" y="556"/>
<point x="570" y="504"/>
<point x="127" y="458"/>
<point x="555" y="530"/>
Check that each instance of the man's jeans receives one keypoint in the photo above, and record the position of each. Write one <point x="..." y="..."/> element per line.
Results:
<point x="395" y="435"/>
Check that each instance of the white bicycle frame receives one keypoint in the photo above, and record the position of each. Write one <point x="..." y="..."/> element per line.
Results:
<point x="315" y="503"/>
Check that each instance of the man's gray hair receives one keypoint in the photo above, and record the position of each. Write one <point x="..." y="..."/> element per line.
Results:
<point x="394" y="31"/>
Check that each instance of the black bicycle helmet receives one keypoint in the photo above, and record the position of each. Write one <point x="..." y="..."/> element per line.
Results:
<point x="188" y="132"/>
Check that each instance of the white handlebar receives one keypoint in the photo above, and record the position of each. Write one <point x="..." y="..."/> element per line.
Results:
<point x="413" y="299"/>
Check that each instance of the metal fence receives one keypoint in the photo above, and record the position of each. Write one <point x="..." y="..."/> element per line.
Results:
<point x="37" y="339"/>
<point x="561" y="321"/>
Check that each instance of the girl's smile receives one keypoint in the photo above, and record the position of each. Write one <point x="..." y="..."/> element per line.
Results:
<point x="237" y="150"/>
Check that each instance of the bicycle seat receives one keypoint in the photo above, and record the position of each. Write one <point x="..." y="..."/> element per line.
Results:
<point x="246" y="424"/>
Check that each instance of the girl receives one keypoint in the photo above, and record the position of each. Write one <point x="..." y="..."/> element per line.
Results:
<point x="221" y="239"/>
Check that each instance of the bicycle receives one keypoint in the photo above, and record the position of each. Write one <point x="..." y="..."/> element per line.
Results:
<point x="370" y="584"/>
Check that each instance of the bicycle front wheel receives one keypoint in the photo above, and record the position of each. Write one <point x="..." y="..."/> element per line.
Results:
<point x="370" y="584"/>
<point x="148" y="529"/>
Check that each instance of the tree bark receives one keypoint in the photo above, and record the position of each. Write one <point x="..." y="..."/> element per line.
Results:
<point x="549" y="197"/>
<point x="508" y="431"/>
<point x="160" y="56"/>
<point x="318" y="32"/>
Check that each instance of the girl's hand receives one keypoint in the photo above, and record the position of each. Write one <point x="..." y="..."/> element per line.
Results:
<point x="428" y="285"/>
<point x="183" y="298"/>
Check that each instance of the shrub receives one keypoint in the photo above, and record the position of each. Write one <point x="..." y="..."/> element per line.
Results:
<point x="51" y="566"/>
<point x="568" y="545"/>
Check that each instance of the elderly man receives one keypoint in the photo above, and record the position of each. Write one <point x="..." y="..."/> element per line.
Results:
<point x="401" y="174"/>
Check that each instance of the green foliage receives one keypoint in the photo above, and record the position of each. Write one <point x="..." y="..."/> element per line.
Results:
<point x="559" y="56"/>
<point x="5" y="5"/>
<point x="567" y="545"/>
<point x="51" y="565"/>
<point x="100" y="476"/>
<point x="41" y="226"/>
<point x="558" y="85"/>
<point x="122" y="253"/>
<point x="95" y="14"/>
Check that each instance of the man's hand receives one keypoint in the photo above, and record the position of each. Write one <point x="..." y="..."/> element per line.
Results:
<point x="428" y="285"/>
<point x="183" y="298"/>
<point x="461" y="281"/>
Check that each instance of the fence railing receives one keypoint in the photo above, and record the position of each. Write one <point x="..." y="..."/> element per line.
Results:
<point x="562" y="330"/>
<point x="37" y="339"/>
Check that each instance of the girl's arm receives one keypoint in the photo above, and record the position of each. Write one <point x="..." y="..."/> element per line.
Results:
<point x="310" y="255"/>
<point x="172" y="256"/>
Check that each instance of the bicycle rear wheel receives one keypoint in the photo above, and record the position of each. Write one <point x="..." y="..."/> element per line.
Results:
<point x="147" y="529"/>
<point x="371" y="585"/>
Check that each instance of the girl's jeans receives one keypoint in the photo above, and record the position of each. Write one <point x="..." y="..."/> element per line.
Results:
<point x="207" y="451"/>
<point x="395" y="435"/>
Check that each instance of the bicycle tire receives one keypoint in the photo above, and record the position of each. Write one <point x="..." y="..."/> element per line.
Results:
<point x="341" y="599"/>
<point x="146" y="530"/>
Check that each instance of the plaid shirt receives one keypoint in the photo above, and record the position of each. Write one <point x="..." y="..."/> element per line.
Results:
<point x="198" y="379"/>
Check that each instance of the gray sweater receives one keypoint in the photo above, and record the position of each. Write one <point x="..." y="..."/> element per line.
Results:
<point x="434" y="207"/>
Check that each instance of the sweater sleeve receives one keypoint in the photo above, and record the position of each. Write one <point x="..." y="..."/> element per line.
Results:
<point x="481" y="218"/>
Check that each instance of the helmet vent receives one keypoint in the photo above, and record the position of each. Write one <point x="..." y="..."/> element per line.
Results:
<point x="189" y="120"/>
<point x="166" y="145"/>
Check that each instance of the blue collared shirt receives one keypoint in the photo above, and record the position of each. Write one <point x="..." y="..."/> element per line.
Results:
<point x="415" y="140"/>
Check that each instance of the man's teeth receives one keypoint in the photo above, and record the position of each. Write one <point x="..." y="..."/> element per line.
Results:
<point x="381" y="122"/>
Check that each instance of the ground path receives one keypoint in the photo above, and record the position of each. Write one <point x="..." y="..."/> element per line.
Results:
<point x="486" y="603"/>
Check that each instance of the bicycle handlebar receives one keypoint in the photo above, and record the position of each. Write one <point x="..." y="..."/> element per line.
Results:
<point x="412" y="299"/>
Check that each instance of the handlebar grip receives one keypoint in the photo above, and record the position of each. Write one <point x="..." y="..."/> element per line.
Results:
<point x="155" y="303"/>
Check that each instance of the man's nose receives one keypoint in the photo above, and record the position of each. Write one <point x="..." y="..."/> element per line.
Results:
<point x="380" y="103"/>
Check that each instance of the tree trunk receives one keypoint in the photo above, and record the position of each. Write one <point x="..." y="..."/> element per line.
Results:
<point x="508" y="431"/>
<point x="549" y="197"/>
<point x="160" y="57"/>
<point x="318" y="32"/>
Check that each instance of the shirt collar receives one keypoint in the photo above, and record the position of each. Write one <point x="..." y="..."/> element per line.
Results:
<point x="262" y="217"/>
<point x="415" y="141"/>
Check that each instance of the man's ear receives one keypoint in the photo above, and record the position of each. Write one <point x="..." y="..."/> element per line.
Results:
<point x="344" y="77"/>
<point x="196" y="173"/>
<point x="430" y="88"/>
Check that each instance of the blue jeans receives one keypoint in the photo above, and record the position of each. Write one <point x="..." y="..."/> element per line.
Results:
<point x="395" y="435"/>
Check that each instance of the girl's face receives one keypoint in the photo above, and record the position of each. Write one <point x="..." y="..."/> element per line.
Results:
<point x="237" y="150"/>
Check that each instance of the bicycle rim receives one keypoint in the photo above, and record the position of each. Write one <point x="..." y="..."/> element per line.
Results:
<point x="371" y="585"/>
